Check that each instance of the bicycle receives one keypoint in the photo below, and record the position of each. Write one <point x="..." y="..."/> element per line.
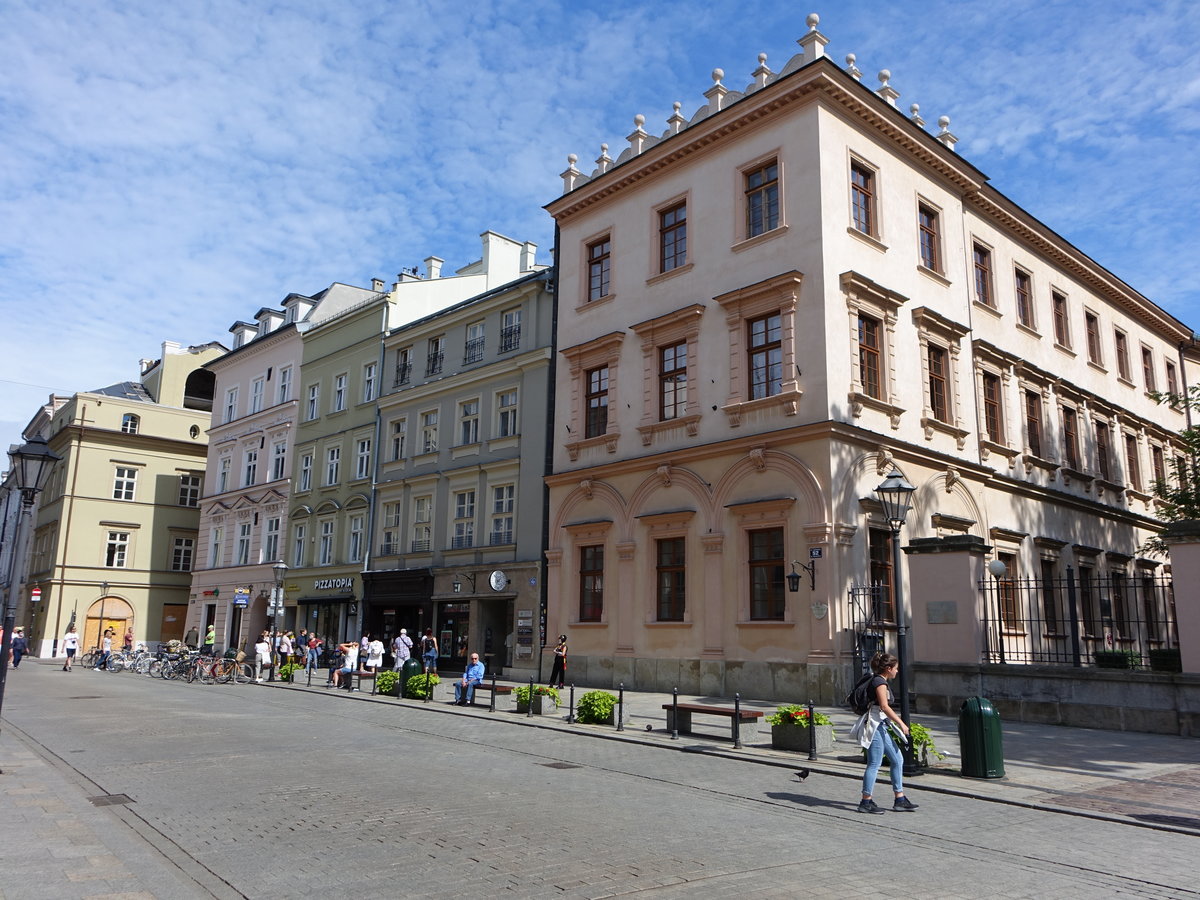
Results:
<point x="227" y="670"/>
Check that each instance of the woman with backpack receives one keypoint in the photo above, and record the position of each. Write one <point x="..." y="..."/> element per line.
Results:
<point x="429" y="651"/>
<point x="874" y="733"/>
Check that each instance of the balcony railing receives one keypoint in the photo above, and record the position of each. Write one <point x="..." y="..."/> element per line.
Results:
<point x="403" y="374"/>
<point x="510" y="338"/>
<point x="389" y="549"/>
<point x="473" y="351"/>
<point x="420" y="546"/>
<point x="462" y="540"/>
<point x="501" y="537"/>
<point x="433" y="365"/>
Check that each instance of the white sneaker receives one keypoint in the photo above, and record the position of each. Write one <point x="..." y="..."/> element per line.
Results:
<point x="258" y="680"/>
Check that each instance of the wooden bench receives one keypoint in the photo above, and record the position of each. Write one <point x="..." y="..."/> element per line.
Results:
<point x="746" y="725"/>
<point x="348" y="684"/>
<point x="500" y="690"/>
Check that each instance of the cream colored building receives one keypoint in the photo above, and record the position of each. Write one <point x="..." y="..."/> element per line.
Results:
<point x="762" y="310"/>
<point x="116" y="529"/>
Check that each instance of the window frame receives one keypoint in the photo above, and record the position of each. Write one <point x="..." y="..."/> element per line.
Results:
<point x="591" y="583"/>
<point x="1121" y="351"/>
<point x="865" y="298"/>
<point x="250" y="467"/>
<point x="231" y="405"/>
<point x="503" y="511"/>
<point x="333" y="466"/>
<point x="581" y="359"/>
<point x="190" y="485"/>
<point x="475" y="342"/>
<point x="929" y="237"/>
<point x="672" y="230"/>
<point x="258" y="390"/>
<point x="284" y="385"/>
<point x="370" y="382"/>
<point x="399" y="438"/>
<point x="596" y="401"/>
<point x="775" y="599"/>
<point x="982" y="270"/>
<point x="118" y="548"/>
<point x="435" y="355"/>
<point x="341" y="386"/>
<point x="1091" y="331"/>
<point x="1149" y="376"/>
<point x="764" y="355"/>
<point x="936" y="331"/>
<point x="312" y="406"/>
<point x="304" y="483"/>
<point x="508" y="414"/>
<point x="130" y="423"/>
<point x="1060" y="315"/>
<point x="1023" y="298"/>
<point x="597" y="268"/>
<point x="125" y="483"/>
<point x="430" y="425"/>
<point x="468" y="421"/>
<point x="362" y="458"/>
<point x="674" y="601"/>
<point x="771" y="189"/>
<point x="869" y="199"/>
<point x="183" y="554"/>
<point x="326" y="540"/>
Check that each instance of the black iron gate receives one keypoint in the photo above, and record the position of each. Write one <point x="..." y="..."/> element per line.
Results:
<point x="869" y="605"/>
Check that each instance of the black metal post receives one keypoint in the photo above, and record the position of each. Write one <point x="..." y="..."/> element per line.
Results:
<point x="308" y="669"/>
<point x="737" y="721"/>
<point x="428" y="690"/>
<point x="675" y="713"/>
<point x="571" y="708"/>
<point x="812" y="731"/>
<point x="1073" y="611"/>
<point x="621" y="707"/>
<point x="492" y="705"/>
<point x="529" y="705"/>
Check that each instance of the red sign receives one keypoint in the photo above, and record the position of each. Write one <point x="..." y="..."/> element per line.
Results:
<point x="35" y="595"/>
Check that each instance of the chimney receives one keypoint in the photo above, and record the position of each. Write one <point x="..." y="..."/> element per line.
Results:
<point x="433" y="267"/>
<point x="528" y="256"/>
<point x="377" y="285"/>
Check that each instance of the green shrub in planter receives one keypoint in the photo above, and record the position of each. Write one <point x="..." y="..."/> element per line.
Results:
<point x="1166" y="661"/>
<point x="387" y="682"/>
<point x="414" y="688"/>
<point x="287" y="671"/>
<point x="522" y="693"/>
<point x="1117" y="659"/>
<point x="794" y="714"/>
<point x="595" y="707"/>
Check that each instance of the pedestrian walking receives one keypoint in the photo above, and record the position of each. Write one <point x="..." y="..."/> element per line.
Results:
<point x="559" y="672"/>
<point x="429" y="651"/>
<point x="128" y="640"/>
<point x="105" y="650"/>
<point x="262" y="656"/>
<point x="374" y="653"/>
<point x="874" y="732"/>
<point x="314" y="653"/>
<point x="19" y="646"/>
<point x="70" y="642"/>
<point x="402" y="648"/>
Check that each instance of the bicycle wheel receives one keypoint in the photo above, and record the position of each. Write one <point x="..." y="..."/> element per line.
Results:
<point x="88" y="660"/>
<point x="208" y="673"/>
<point x="223" y="670"/>
<point x="243" y="673"/>
<point x="116" y="664"/>
<point x="154" y="668"/>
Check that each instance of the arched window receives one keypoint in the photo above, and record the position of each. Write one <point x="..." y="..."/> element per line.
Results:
<point x="130" y="423"/>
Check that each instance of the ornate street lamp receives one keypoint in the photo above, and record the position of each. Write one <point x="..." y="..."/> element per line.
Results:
<point x="31" y="465"/>
<point x="896" y="496"/>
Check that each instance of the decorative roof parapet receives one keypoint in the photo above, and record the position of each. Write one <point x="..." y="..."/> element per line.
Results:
<point x="603" y="161"/>
<point x="572" y="174"/>
<point x="637" y="138"/>
<point x="854" y="71"/>
<point x="813" y="43"/>
<point x="716" y="93"/>
<point x="915" y="116"/>
<point x="886" y="91"/>
<point x="761" y="75"/>
<point x="944" y="135"/>
<point x="677" y="122"/>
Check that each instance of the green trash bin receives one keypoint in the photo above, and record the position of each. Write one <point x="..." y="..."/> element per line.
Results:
<point x="410" y="668"/>
<point x="980" y="739"/>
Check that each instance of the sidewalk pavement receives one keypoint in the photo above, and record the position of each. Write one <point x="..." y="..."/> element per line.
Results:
<point x="1152" y="780"/>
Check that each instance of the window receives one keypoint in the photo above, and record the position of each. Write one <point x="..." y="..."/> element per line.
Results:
<point x="435" y="354"/>
<point x="929" y="241"/>
<point x="597" y="402"/>
<point x="1148" y="370"/>
<point x="369" y="382"/>
<point x="231" y="399"/>
<point x="939" y="397"/>
<point x="182" y="551"/>
<point x="251" y="468"/>
<point x="1172" y="379"/>
<point x="1133" y="469"/>
<point x="124" y="483"/>
<point x="271" y="539"/>
<point x="879" y="551"/>
<point x="868" y="356"/>
<point x="285" y="385"/>
<point x="116" y="551"/>
<point x="599" y="260"/>
<point x="982" y="258"/>
<point x="468" y="422"/>
<point x="591" y="583"/>
<point x="464" y="519"/>
<point x="429" y="431"/>
<point x="339" y="393"/>
<point x="325" y="544"/>
<point x="1033" y="422"/>
<point x="993" y="420"/>
<point x="278" y="460"/>
<point x="362" y="458"/>
<point x="313" y="406"/>
<point x="189" y="490"/>
<point x="672" y="380"/>
<point x="257" y="387"/>
<point x="356" y="539"/>
<point x="1159" y="465"/>
<point x="1121" y="344"/>
<point x="130" y="423"/>
<point x="766" y="575"/>
<point x="1091" y="325"/>
<point x="1024" y="289"/>
<point x="391" y="521"/>
<point x="243" y="545"/>
<point x="333" y="462"/>
<point x="1051" y="618"/>
<point x="1104" y="450"/>
<point x="672" y="237"/>
<point x="403" y="366"/>
<point x="1062" y="329"/>
<point x="671" y="562"/>
<point x="306" y="467"/>
<point x="1071" y="437"/>
<point x="506" y="414"/>
<point x="502" y="514"/>
<point x="862" y="198"/>
<point x="1010" y="605"/>
<point x="223" y="475"/>
<point x="762" y="199"/>
<point x="216" y="548"/>
<point x="422" y="523"/>
<point x="510" y="330"/>
<point x="299" y="545"/>
<point x="473" y="349"/>
<point x="765" y="356"/>
<point x="399" y="439"/>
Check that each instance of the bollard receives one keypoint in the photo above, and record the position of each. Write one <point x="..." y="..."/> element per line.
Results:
<point x="529" y="705"/>
<point x="309" y="677"/>
<point x="621" y="707"/>
<point x="492" y="705"/>
<point x="675" y="713"/>
<point x="812" y="731"/>
<point x="428" y="691"/>
<point x="737" y="721"/>
<point x="571" y="708"/>
<point x="374" y="681"/>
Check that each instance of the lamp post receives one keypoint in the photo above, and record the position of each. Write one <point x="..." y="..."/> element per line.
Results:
<point x="31" y="465"/>
<point x="280" y="569"/>
<point x="998" y="570"/>
<point x="896" y="496"/>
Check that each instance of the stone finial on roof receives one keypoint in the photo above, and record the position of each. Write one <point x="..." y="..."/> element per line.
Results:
<point x="944" y="135"/>
<point x="637" y="139"/>
<point x="716" y="93"/>
<point x="886" y="91"/>
<point x="813" y="43"/>
<point x="762" y="74"/>
<point x="677" y="122"/>
<point x="571" y="175"/>
<point x="915" y="116"/>
<point x="603" y="161"/>
<point x="854" y="71"/>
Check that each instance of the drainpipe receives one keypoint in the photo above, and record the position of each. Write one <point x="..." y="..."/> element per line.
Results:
<point x="548" y="463"/>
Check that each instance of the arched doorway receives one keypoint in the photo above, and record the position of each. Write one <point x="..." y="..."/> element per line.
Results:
<point x="107" y="612"/>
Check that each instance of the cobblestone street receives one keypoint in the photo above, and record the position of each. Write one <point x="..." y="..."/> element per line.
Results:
<point x="242" y="791"/>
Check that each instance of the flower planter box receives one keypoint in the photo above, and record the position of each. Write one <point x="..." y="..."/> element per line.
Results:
<point x="542" y="705"/>
<point x="795" y="737"/>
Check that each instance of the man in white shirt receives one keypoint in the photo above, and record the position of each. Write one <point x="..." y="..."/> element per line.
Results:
<point x="70" y="642"/>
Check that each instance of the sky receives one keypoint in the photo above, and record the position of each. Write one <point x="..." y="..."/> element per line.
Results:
<point x="168" y="169"/>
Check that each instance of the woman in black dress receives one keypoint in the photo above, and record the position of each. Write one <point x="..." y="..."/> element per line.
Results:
<point x="559" y="672"/>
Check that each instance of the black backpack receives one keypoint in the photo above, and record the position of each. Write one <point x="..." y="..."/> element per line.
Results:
<point x="861" y="696"/>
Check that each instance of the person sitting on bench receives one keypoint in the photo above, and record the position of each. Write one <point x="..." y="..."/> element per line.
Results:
<point x="464" y="690"/>
<point x="349" y="663"/>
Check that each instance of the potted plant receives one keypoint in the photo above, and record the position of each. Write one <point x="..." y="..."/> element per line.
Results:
<point x="387" y="683"/>
<point x="922" y="745"/>
<point x="790" y="729"/>
<point x="543" y="697"/>
<point x="287" y="672"/>
<point x="414" y="688"/>
<point x="597" y="708"/>
<point x="1166" y="660"/>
